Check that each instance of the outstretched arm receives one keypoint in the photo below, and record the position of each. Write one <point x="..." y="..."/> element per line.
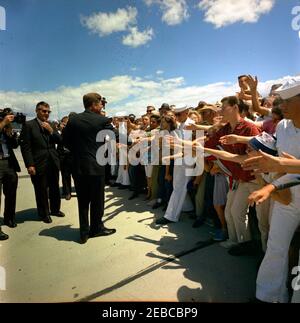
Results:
<point x="225" y="155"/>
<point x="266" y="163"/>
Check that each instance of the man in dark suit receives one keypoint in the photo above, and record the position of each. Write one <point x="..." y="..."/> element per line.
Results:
<point x="79" y="137"/>
<point x="9" y="167"/>
<point x="38" y="141"/>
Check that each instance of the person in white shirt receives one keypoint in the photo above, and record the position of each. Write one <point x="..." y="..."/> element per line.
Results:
<point x="272" y="275"/>
<point x="180" y="178"/>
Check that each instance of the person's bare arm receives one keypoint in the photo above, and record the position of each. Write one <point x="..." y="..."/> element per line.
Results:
<point x="225" y="155"/>
<point x="195" y="127"/>
<point x="234" y="139"/>
<point x="253" y="82"/>
<point x="266" y="163"/>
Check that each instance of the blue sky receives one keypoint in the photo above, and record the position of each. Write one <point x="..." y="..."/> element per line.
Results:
<point x="50" y="44"/>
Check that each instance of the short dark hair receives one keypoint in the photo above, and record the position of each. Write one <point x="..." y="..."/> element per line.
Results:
<point x="231" y="100"/>
<point x="91" y="98"/>
<point x="42" y="103"/>
<point x="241" y="76"/>
<point x="156" y="117"/>
<point x="276" y="110"/>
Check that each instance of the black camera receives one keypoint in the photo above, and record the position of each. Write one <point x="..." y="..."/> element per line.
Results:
<point x="20" y="118"/>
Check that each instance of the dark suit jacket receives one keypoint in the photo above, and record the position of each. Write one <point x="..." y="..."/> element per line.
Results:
<point x="12" y="143"/>
<point x="38" y="146"/>
<point x="79" y="137"/>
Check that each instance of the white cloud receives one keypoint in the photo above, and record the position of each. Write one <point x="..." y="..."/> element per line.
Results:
<point x="137" y="38"/>
<point x="226" y="12"/>
<point x="174" y="11"/>
<point x="133" y="94"/>
<point x="159" y="72"/>
<point x="104" y="24"/>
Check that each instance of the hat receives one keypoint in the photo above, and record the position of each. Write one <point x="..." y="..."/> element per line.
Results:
<point x="120" y="114"/>
<point x="265" y="143"/>
<point x="179" y="110"/>
<point x="290" y="89"/>
<point x="165" y="106"/>
<point x="209" y="107"/>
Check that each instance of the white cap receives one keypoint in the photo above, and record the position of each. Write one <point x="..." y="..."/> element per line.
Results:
<point x="121" y="114"/>
<point x="290" y="89"/>
<point x="264" y="142"/>
<point x="178" y="110"/>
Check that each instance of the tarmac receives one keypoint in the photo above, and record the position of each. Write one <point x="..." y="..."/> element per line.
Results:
<point x="43" y="263"/>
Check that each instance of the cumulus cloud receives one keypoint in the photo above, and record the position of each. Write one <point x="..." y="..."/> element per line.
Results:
<point x="174" y="11"/>
<point x="226" y="12"/>
<point x="159" y="72"/>
<point x="104" y="24"/>
<point x="137" y="38"/>
<point x="133" y="94"/>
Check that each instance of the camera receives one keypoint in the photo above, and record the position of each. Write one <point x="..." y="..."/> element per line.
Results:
<point x="20" y="118"/>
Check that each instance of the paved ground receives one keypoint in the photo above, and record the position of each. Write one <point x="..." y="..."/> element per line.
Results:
<point x="141" y="262"/>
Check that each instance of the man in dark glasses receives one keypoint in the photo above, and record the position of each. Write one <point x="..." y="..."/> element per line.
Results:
<point x="41" y="159"/>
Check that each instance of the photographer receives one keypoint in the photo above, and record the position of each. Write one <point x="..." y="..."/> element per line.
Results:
<point x="8" y="168"/>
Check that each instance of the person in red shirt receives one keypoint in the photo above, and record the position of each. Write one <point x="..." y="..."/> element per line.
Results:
<point x="243" y="181"/>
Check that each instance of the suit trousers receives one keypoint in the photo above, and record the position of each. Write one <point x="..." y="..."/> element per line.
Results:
<point x="66" y="171"/>
<point x="42" y="183"/>
<point x="9" y="183"/>
<point x="90" y="197"/>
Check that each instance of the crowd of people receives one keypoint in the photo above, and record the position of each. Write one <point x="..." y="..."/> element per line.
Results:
<point x="248" y="188"/>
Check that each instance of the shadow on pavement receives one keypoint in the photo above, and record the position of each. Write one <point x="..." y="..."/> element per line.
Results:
<point x="62" y="233"/>
<point x="27" y="215"/>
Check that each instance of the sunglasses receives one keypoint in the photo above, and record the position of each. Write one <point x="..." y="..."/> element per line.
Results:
<point x="45" y="111"/>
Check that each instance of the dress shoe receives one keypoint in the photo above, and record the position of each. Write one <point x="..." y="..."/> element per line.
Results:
<point x="163" y="221"/>
<point x="133" y="196"/>
<point x="84" y="239"/>
<point x="3" y="236"/>
<point x="60" y="214"/>
<point x="47" y="219"/>
<point x="103" y="232"/>
<point x="68" y="197"/>
<point x="10" y="223"/>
